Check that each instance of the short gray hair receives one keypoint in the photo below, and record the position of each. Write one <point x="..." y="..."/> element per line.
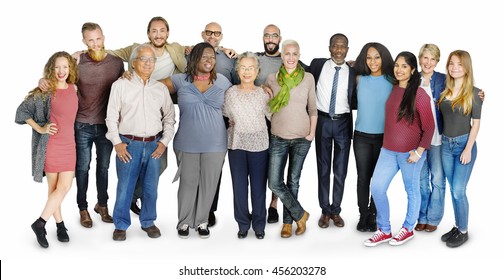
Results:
<point x="136" y="50"/>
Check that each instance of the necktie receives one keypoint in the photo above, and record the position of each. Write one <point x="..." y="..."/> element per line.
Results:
<point x="331" y="111"/>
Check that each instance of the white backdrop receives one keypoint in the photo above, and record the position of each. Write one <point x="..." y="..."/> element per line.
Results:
<point x="32" y="31"/>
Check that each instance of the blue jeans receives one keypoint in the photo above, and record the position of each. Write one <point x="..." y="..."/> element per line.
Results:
<point x="295" y="151"/>
<point x="388" y="164"/>
<point x="457" y="175"/>
<point x="142" y="167"/>
<point x="432" y="199"/>
<point x="85" y="136"/>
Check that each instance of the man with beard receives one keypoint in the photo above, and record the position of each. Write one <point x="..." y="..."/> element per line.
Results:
<point x="97" y="72"/>
<point x="170" y="59"/>
<point x="270" y="61"/>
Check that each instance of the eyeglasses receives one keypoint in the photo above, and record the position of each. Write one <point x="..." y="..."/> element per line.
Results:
<point x="209" y="33"/>
<point x="244" y="68"/>
<point x="273" y="36"/>
<point x="144" y="59"/>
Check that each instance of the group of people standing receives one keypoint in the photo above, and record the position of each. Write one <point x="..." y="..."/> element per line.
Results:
<point x="263" y="110"/>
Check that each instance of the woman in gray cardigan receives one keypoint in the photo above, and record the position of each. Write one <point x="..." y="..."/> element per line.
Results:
<point x="51" y="114"/>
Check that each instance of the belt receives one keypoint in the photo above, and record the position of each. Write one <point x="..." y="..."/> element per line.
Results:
<point x="335" y="117"/>
<point x="143" y="139"/>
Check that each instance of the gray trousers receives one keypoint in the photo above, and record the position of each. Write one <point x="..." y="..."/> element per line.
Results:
<point x="198" y="174"/>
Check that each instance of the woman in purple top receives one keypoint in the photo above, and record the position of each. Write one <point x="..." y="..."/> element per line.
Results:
<point x="200" y="142"/>
<point x="408" y="128"/>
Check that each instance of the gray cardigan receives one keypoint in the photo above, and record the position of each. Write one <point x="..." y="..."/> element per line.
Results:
<point x="37" y="109"/>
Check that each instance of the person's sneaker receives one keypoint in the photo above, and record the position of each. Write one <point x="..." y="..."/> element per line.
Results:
<point x="212" y="220"/>
<point x="448" y="235"/>
<point x="183" y="231"/>
<point x="61" y="232"/>
<point x="272" y="215"/>
<point x="40" y="232"/>
<point x="457" y="239"/>
<point x="203" y="230"/>
<point x="401" y="237"/>
<point x="378" y="238"/>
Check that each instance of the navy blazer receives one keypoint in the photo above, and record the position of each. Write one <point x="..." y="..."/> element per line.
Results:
<point x="315" y="69"/>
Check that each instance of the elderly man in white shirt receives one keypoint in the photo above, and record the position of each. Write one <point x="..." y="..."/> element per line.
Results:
<point x="140" y="121"/>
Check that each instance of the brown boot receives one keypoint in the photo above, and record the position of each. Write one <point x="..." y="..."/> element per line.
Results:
<point x="85" y="219"/>
<point x="286" y="231"/>
<point x="301" y="224"/>
<point x="103" y="211"/>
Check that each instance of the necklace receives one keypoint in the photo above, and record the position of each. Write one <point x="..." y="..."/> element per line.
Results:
<point x="202" y="78"/>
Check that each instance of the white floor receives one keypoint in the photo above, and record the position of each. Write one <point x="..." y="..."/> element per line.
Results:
<point x="92" y="252"/>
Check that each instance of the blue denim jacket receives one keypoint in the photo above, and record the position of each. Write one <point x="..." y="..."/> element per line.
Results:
<point x="437" y="85"/>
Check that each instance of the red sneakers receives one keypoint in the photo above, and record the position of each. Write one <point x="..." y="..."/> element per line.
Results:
<point x="378" y="238"/>
<point x="401" y="237"/>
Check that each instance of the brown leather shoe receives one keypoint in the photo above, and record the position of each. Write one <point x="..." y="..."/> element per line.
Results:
<point x="85" y="219"/>
<point x="103" y="211"/>
<point x="324" y="221"/>
<point x="420" y="227"/>
<point x="430" y="228"/>
<point x="286" y="231"/>
<point x="152" y="232"/>
<point x="338" y="221"/>
<point x="119" y="235"/>
<point x="301" y="224"/>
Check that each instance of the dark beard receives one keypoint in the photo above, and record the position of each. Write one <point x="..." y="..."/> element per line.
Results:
<point x="97" y="55"/>
<point x="276" y="48"/>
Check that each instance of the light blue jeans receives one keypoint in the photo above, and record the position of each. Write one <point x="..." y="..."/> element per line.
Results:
<point x="432" y="198"/>
<point x="457" y="175"/>
<point x="295" y="151"/>
<point x="142" y="167"/>
<point x="387" y="167"/>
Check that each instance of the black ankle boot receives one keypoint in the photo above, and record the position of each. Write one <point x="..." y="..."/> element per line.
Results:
<point x="39" y="228"/>
<point x="371" y="222"/>
<point x="61" y="232"/>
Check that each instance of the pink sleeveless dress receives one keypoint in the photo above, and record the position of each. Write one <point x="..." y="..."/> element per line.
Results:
<point x="61" y="152"/>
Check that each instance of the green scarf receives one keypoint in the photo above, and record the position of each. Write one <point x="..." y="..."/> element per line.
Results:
<point x="287" y="82"/>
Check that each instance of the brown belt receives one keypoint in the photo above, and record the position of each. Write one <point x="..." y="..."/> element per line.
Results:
<point x="143" y="139"/>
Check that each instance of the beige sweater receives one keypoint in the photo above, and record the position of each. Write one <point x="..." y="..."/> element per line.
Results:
<point x="293" y="120"/>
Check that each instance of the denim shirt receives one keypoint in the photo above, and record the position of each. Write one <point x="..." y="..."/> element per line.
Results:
<point x="437" y="85"/>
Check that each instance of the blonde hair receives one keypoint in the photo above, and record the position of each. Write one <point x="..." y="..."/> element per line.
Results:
<point x="465" y="96"/>
<point x="432" y="49"/>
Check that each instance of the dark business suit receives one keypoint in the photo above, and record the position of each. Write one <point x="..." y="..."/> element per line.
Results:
<point x="333" y="134"/>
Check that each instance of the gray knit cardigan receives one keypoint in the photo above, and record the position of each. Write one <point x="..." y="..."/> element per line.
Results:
<point x="37" y="109"/>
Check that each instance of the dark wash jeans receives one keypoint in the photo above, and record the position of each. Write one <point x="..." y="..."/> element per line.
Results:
<point x="85" y="136"/>
<point x="295" y="151"/>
